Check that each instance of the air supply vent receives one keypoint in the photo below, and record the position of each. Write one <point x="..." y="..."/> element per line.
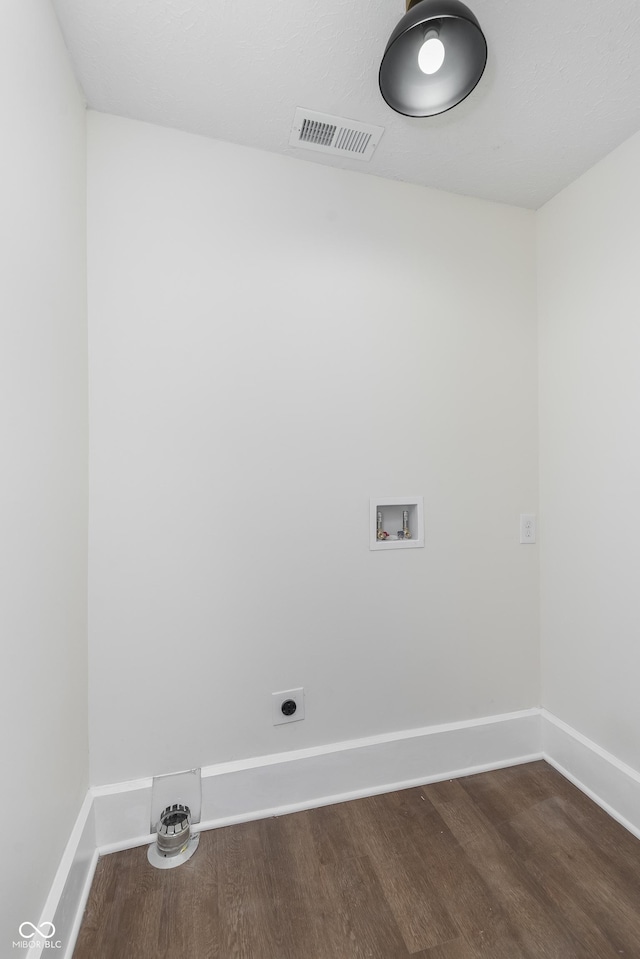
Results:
<point x="328" y="134"/>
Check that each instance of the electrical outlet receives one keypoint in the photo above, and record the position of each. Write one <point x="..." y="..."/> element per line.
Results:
<point x="527" y="528"/>
<point x="287" y="706"/>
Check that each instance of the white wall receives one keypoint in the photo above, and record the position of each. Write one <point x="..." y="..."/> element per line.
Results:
<point x="589" y="302"/>
<point x="43" y="425"/>
<point x="272" y="342"/>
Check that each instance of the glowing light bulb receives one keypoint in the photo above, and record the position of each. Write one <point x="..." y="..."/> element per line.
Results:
<point x="431" y="55"/>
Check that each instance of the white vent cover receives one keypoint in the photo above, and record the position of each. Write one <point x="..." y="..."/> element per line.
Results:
<point x="328" y="134"/>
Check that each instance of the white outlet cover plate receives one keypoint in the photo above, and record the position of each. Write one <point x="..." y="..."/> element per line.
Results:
<point x="277" y="700"/>
<point x="528" y="528"/>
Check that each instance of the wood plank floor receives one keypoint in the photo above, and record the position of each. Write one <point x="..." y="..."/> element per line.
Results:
<point x="510" y="864"/>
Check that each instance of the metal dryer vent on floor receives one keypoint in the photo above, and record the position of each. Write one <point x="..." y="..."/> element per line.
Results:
<point x="175" y="843"/>
<point x="176" y="802"/>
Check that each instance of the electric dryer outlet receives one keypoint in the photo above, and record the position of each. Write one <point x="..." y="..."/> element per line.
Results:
<point x="287" y="706"/>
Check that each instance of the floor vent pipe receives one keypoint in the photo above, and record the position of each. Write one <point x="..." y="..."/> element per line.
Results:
<point x="175" y="842"/>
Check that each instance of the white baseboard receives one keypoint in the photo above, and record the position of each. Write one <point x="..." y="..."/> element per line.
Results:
<point x="70" y="889"/>
<point x="611" y="783"/>
<point x="117" y="816"/>
<point x="285" y="782"/>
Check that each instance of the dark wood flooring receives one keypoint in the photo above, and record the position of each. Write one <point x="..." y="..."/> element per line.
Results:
<point x="510" y="864"/>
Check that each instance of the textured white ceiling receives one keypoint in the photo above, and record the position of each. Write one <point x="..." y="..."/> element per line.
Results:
<point x="561" y="88"/>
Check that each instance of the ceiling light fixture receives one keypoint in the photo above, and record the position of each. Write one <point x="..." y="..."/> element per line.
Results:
<point x="434" y="58"/>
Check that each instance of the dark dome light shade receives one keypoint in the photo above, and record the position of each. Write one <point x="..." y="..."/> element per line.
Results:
<point x="403" y="83"/>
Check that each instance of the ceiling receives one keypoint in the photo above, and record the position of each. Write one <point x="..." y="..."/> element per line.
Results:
<point x="561" y="88"/>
